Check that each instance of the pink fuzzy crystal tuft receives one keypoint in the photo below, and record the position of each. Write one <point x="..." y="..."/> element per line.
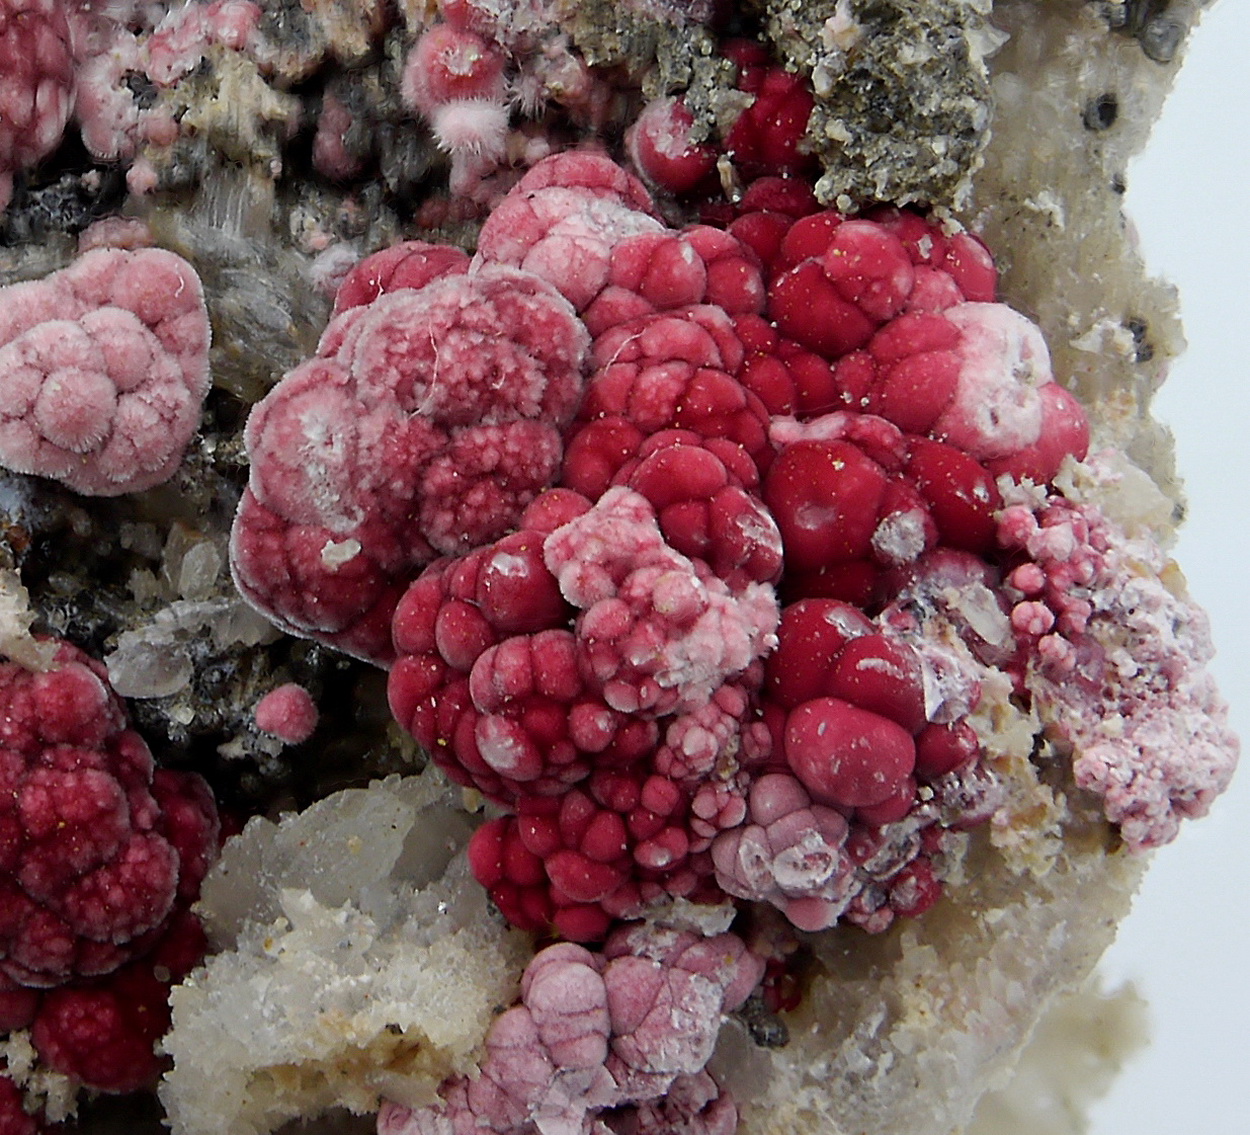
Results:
<point x="288" y="713"/>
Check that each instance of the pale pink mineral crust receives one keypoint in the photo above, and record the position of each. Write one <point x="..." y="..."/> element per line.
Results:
<point x="36" y="84"/>
<point x="627" y="1031"/>
<point x="428" y="421"/>
<point x="97" y="847"/>
<point x="693" y="1105"/>
<point x="789" y="853"/>
<point x="106" y="368"/>
<point x="1119" y="661"/>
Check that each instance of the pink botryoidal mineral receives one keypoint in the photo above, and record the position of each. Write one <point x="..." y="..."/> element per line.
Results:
<point x="103" y="1032"/>
<point x="623" y="654"/>
<point x="563" y="220"/>
<point x="765" y="139"/>
<point x="99" y="848"/>
<point x="803" y="412"/>
<point x="654" y="635"/>
<point x="661" y="146"/>
<point x="36" y="84"/>
<point x="1119" y="660"/>
<point x="106" y="366"/>
<point x="629" y="1030"/>
<point x="428" y="421"/>
<point x="14" y="1118"/>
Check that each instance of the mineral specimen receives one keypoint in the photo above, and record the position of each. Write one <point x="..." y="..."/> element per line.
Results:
<point x="37" y="89"/>
<point x="106" y="367"/>
<point x="416" y="403"/>
<point x="98" y="847"/>
<point x="712" y="435"/>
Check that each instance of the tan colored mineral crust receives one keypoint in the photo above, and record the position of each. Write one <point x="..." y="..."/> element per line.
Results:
<point x="897" y="1034"/>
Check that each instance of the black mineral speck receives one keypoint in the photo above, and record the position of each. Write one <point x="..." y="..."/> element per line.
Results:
<point x="145" y="91"/>
<point x="766" y="1028"/>
<point x="1101" y="112"/>
<point x="1139" y="329"/>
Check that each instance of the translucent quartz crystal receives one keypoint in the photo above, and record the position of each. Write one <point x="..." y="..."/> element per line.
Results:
<point x="357" y="957"/>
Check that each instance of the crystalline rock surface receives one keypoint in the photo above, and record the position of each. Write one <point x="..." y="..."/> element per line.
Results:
<point x="581" y="569"/>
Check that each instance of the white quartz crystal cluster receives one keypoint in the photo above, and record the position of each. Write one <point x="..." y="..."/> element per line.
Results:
<point x="356" y="958"/>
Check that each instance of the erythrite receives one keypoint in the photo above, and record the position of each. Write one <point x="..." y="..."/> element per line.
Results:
<point x="694" y="551"/>
<point x="627" y="1030"/>
<point x="1091" y="624"/>
<point x="106" y="368"/>
<point x="428" y="421"/>
<point x="607" y="673"/>
<point x="98" y="849"/>
<point x="288" y="713"/>
<point x="103" y="1032"/>
<point x="36" y="84"/>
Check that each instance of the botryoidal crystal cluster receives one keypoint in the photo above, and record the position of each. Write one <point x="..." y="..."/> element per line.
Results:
<point x="576" y="569"/>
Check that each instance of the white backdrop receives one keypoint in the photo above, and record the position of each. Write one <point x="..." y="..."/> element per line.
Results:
<point x="1187" y="943"/>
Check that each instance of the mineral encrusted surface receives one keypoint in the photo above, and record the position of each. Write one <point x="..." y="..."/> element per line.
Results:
<point x="355" y="960"/>
<point x="903" y="101"/>
<point x="757" y="240"/>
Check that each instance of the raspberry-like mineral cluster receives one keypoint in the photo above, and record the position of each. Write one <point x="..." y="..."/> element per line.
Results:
<point x="637" y="614"/>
